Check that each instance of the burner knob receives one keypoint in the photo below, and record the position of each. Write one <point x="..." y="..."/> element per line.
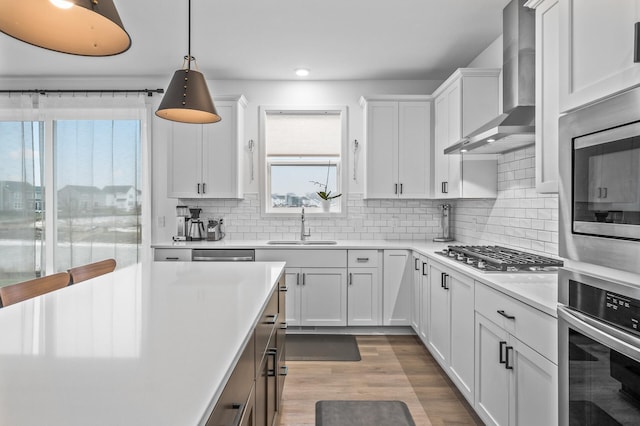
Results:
<point x="452" y="253"/>
<point x="470" y="260"/>
<point x="482" y="264"/>
<point x="461" y="257"/>
<point x="445" y="251"/>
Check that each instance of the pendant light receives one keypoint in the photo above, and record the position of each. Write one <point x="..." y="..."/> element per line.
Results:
<point x="187" y="99"/>
<point x="77" y="27"/>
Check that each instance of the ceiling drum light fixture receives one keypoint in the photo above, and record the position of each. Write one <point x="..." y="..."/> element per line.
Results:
<point x="77" y="27"/>
<point x="187" y="99"/>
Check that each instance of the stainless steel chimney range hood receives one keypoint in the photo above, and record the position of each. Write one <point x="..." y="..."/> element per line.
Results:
<point x="515" y="128"/>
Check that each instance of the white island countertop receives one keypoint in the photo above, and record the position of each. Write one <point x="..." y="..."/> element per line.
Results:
<point x="539" y="290"/>
<point x="146" y="345"/>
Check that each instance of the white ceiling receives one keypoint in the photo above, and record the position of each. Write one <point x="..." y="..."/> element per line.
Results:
<point x="268" y="39"/>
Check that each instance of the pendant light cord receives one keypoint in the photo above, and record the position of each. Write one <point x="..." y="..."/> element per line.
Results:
<point x="189" y="39"/>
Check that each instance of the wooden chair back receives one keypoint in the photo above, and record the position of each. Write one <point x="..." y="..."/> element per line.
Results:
<point x="28" y="289"/>
<point x="91" y="270"/>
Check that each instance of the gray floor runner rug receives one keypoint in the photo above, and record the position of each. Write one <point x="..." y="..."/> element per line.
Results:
<point x="363" y="413"/>
<point x="322" y="347"/>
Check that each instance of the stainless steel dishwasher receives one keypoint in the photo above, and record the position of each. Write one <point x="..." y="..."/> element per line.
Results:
<point x="223" y="255"/>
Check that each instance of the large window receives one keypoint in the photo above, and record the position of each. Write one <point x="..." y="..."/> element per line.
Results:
<point x="70" y="185"/>
<point x="303" y="160"/>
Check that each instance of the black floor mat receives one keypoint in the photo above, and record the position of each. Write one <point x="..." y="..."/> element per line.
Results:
<point x="322" y="347"/>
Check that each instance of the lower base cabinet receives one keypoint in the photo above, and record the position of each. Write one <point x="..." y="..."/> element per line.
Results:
<point x="515" y="385"/>
<point x="253" y="393"/>
<point x="451" y="325"/>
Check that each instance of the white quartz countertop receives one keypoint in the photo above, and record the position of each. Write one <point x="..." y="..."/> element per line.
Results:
<point x="535" y="289"/>
<point x="146" y="345"/>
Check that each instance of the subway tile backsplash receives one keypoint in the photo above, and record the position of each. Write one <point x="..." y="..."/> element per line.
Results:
<point x="519" y="217"/>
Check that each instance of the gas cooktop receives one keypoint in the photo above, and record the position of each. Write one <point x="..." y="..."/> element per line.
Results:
<point x="500" y="259"/>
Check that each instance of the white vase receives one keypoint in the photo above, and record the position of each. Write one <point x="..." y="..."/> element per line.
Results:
<point x="326" y="205"/>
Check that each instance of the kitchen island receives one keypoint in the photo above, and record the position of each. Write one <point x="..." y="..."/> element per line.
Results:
<point x="150" y="344"/>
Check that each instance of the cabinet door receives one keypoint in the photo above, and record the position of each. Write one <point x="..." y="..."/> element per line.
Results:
<point x="414" y="149"/>
<point x="461" y="291"/>
<point x="184" y="155"/>
<point x="424" y="301"/>
<point x="454" y="134"/>
<point x="363" y="297"/>
<point x="596" y="50"/>
<point x="492" y="378"/>
<point x="323" y="297"/>
<point x="415" y="293"/>
<point x="292" y="280"/>
<point x="547" y="99"/>
<point x="398" y="276"/>
<point x="440" y="162"/>
<point x="439" y="318"/>
<point x="533" y="398"/>
<point x="382" y="150"/>
<point x="220" y="155"/>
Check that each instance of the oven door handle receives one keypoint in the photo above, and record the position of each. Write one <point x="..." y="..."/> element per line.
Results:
<point x="618" y="340"/>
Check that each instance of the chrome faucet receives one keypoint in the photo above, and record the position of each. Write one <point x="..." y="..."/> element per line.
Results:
<point x="303" y="234"/>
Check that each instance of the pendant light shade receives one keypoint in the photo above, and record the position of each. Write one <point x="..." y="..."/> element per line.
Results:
<point x="77" y="27"/>
<point x="187" y="99"/>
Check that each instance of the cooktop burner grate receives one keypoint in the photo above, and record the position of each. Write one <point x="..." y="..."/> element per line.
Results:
<point x="501" y="259"/>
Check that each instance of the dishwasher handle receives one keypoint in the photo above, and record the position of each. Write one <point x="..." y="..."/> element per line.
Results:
<point x="222" y="259"/>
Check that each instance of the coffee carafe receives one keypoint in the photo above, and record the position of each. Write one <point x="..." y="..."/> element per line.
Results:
<point x="196" y="227"/>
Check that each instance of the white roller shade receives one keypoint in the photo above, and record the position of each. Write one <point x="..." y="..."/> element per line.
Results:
<point x="300" y="134"/>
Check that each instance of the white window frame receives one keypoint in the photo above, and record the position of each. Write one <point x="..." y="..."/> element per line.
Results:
<point x="265" y="171"/>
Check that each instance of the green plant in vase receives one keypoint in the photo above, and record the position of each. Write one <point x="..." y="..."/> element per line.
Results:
<point x="325" y="195"/>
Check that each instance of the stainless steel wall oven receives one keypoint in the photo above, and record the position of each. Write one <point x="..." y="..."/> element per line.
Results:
<point x="600" y="183"/>
<point x="599" y="351"/>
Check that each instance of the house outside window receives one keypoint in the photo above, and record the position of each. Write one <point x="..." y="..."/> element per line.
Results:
<point x="303" y="156"/>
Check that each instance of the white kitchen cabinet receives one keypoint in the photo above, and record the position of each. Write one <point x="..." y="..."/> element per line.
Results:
<point x="516" y="358"/>
<point x="464" y="102"/>
<point x="596" y="50"/>
<point x="364" y="289"/>
<point x="323" y="297"/>
<point x="397" y="284"/>
<point x="451" y="325"/>
<point x="205" y="160"/>
<point x="547" y="93"/>
<point x="316" y="282"/>
<point x="398" y="146"/>
<point x="420" y="297"/>
<point x="515" y="385"/>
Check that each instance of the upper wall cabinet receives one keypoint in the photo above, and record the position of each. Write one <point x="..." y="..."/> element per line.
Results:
<point x="398" y="146"/>
<point x="596" y="50"/>
<point x="204" y="160"/>
<point x="547" y="99"/>
<point x="464" y="102"/>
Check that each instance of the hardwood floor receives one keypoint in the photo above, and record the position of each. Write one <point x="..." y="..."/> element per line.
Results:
<point x="392" y="368"/>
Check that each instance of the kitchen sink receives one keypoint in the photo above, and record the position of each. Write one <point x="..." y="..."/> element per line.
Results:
<point x="302" y="243"/>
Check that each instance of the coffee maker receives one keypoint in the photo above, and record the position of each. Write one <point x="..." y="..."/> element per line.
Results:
<point x="182" y="223"/>
<point x="196" y="226"/>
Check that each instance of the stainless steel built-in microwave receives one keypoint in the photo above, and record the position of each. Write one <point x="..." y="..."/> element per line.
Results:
<point x="600" y="183"/>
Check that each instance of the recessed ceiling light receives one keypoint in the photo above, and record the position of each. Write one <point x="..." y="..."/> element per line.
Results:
<point x="491" y="140"/>
<point x="302" y="72"/>
<point x="463" y="150"/>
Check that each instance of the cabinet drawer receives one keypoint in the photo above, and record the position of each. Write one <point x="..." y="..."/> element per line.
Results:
<point x="362" y="258"/>
<point x="268" y="321"/>
<point x="235" y="396"/>
<point x="531" y="326"/>
<point x="181" y="255"/>
<point x="305" y="258"/>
